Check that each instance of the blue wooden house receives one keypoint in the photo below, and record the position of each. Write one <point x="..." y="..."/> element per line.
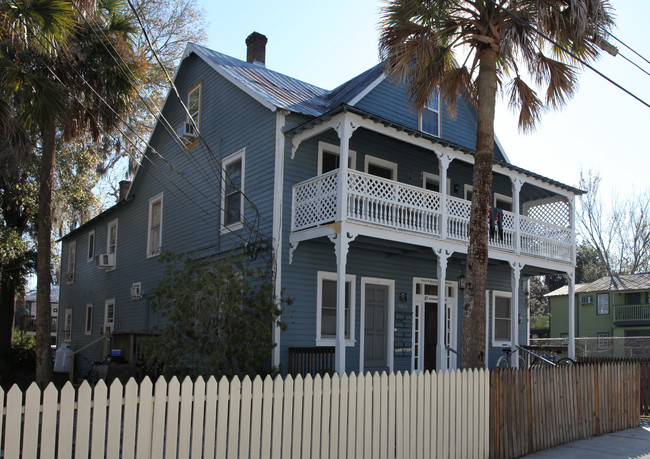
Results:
<point x="365" y="203"/>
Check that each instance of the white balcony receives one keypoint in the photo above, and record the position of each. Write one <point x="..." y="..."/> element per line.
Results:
<point x="397" y="206"/>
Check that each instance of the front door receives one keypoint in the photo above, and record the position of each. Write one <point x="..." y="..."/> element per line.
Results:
<point x="376" y="328"/>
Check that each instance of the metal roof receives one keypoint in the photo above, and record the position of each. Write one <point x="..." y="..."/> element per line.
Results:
<point x="615" y="283"/>
<point x="54" y="294"/>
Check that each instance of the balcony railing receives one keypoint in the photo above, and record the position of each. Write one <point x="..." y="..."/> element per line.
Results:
<point x="390" y="204"/>
<point x="632" y="312"/>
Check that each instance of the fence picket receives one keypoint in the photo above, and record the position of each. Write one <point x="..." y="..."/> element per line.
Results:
<point x="130" y="419"/>
<point x="233" y="418"/>
<point x="13" y="422"/>
<point x="48" y="422"/>
<point x="82" y="437"/>
<point x="185" y="419"/>
<point x="66" y="421"/>
<point x="276" y="431"/>
<point x="245" y="416"/>
<point x="198" y="410"/>
<point x="210" y="428"/>
<point x="360" y="413"/>
<point x="367" y="415"/>
<point x="352" y="415"/>
<point x="256" y="418"/>
<point x="223" y="394"/>
<point x="287" y="411"/>
<point x="98" y="430"/>
<point x="307" y="419"/>
<point x="145" y="413"/>
<point x="296" y="429"/>
<point x="335" y="419"/>
<point x="419" y="431"/>
<point x="267" y="411"/>
<point x="31" y="421"/>
<point x="173" y="405"/>
<point x="343" y="416"/>
<point x="375" y="383"/>
<point x="325" y="416"/>
<point x="114" y="420"/>
<point x="316" y="416"/>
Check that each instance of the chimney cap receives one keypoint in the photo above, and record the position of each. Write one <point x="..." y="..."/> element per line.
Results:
<point x="256" y="48"/>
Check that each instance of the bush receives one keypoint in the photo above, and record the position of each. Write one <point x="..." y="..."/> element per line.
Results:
<point x="17" y="367"/>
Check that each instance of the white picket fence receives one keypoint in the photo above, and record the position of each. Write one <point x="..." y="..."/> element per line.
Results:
<point x="398" y="415"/>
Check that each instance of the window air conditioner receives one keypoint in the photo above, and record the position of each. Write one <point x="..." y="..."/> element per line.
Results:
<point x="186" y="132"/>
<point x="136" y="291"/>
<point x="105" y="260"/>
<point x="586" y="300"/>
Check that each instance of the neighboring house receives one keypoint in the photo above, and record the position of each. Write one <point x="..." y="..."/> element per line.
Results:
<point x="25" y="316"/>
<point x="617" y="306"/>
<point x="375" y="246"/>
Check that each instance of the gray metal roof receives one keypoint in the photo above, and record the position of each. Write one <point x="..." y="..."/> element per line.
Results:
<point x="623" y="282"/>
<point x="54" y="294"/>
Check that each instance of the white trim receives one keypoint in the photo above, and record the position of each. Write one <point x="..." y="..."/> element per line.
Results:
<point x="502" y="294"/>
<point x="381" y="163"/>
<point x="467" y="188"/>
<point x="436" y="110"/>
<point x="191" y="47"/>
<point x="72" y="262"/>
<point x="108" y="242"/>
<point x="331" y="276"/>
<point x="335" y="150"/>
<point x="355" y="100"/>
<point x="89" y="314"/>
<point x="91" y="256"/>
<point x="278" y="191"/>
<point x="112" y="322"/>
<point x="152" y="201"/>
<point x="67" y="325"/>
<point x="239" y="155"/>
<point x="196" y="86"/>
<point x="390" y="355"/>
<point x="429" y="176"/>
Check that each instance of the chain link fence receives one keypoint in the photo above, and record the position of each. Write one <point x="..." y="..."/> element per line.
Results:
<point x="603" y="348"/>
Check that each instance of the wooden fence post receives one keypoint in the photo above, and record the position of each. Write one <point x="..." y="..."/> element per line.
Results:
<point x="596" y="399"/>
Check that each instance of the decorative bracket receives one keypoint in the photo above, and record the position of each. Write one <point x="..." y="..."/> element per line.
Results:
<point x="445" y="159"/>
<point x="517" y="183"/>
<point x="341" y="128"/>
<point x="292" y="248"/>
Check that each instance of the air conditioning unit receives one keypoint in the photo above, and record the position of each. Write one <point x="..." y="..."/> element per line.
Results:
<point x="105" y="260"/>
<point x="106" y="329"/>
<point x="136" y="291"/>
<point x="186" y="132"/>
<point x="586" y="299"/>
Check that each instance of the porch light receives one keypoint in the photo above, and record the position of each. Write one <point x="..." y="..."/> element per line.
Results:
<point x="461" y="282"/>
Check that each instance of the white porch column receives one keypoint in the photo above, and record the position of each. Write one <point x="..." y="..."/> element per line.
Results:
<point x="572" y="225"/>
<point x="572" y="313"/>
<point x="341" y="246"/>
<point x="441" y="351"/>
<point x="443" y="164"/>
<point x="515" y="276"/>
<point x="344" y="130"/>
<point x="517" y="183"/>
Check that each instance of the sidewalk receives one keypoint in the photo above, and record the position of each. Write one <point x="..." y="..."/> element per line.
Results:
<point x="630" y="443"/>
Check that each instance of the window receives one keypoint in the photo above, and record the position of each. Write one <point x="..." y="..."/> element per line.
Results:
<point x="111" y="243"/>
<point x="109" y="314"/>
<point x="430" y="115"/>
<point x="67" y="325"/>
<point x="380" y="167"/>
<point x="501" y="318"/>
<point x="633" y="298"/>
<point x="469" y="192"/>
<point x="91" y="245"/>
<point x="431" y="182"/>
<point x="232" y="202"/>
<point x="89" y="319"/>
<point x="329" y="158"/>
<point x="603" y="303"/>
<point x="503" y="202"/>
<point x="154" y="234"/>
<point x="194" y="103"/>
<point x="72" y="253"/>
<point x="326" y="309"/>
<point x="603" y="342"/>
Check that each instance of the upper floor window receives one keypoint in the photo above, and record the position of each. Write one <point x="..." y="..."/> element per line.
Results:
<point x="111" y="242"/>
<point x="431" y="182"/>
<point x="91" y="245"/>
<point x="232" y="202"/>
<point x="603" y="303"/>
<point x="501" y="318"/>
<point x="503" y="202"/>
<point x="194" y="103"/>
<point x="430" y="115"/>
<point x="67" y="325"/>
<point x="109" y="315"/>
<point x="380" y="167"/>
<point x="326" y="292"/>
<point x="329" y="158"/>
<point x="633" y="298"/>
<point x="89" y="319"/>
<point x="154" y="234"/>
<point x="72" y="254"/>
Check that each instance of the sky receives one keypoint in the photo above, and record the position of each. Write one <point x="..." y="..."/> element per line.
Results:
<point x="326" y="43"/>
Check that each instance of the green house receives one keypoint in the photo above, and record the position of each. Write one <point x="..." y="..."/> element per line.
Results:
<point x="611" y="307"/>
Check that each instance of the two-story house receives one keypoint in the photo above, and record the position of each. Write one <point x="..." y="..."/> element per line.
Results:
<point x="364" y="201"/>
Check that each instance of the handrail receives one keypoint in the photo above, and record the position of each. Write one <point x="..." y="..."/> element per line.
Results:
<point x="449" y="348"/>
<point x="536" y="355"/>
<point x="71" y="355"/>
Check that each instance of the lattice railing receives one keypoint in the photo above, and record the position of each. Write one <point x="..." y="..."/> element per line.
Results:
<point x="314" y="201"/>
<point x="378" y="201"/>
<point x="555" y="212"/>
<point x="385" y="202"/>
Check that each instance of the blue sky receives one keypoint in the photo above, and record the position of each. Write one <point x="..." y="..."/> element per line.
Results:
<point x="327" y="43"/>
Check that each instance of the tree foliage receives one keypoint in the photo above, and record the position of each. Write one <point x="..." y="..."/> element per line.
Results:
<point x="475" y="48"/>
<point x="618" y="230"/>
<point x="218" y="314"/>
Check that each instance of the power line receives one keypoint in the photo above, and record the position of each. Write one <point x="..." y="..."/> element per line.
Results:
<point x="621" y="42"/>
<point x="582" y="61"/>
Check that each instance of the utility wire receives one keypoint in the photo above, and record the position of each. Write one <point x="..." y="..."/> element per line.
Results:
<point x="582" y="61"/>
<point x="634" y="63"/>
<point x="622" y="43"/>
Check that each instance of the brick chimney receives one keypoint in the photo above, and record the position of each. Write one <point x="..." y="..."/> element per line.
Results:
<point x="125" y="185"/>
<point x="256" y="49"/>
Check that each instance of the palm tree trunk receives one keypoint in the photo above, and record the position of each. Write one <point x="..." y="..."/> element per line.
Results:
<point x="474" y="313"/>
<point x="43" y="273"/>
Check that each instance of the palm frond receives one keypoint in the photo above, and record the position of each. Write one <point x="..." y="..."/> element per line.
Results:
<point x="523" y="98"/>
<point x="561" y="79"/>
<point x="454" y="83"/>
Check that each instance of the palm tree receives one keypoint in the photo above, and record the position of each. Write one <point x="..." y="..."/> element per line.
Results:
<point x="423" y="43"/>
<point x="77" y="88"/>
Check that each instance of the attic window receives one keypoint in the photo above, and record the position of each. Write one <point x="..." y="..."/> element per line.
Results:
<point x="430" y="115"/>
<point x="194" y="103"/>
